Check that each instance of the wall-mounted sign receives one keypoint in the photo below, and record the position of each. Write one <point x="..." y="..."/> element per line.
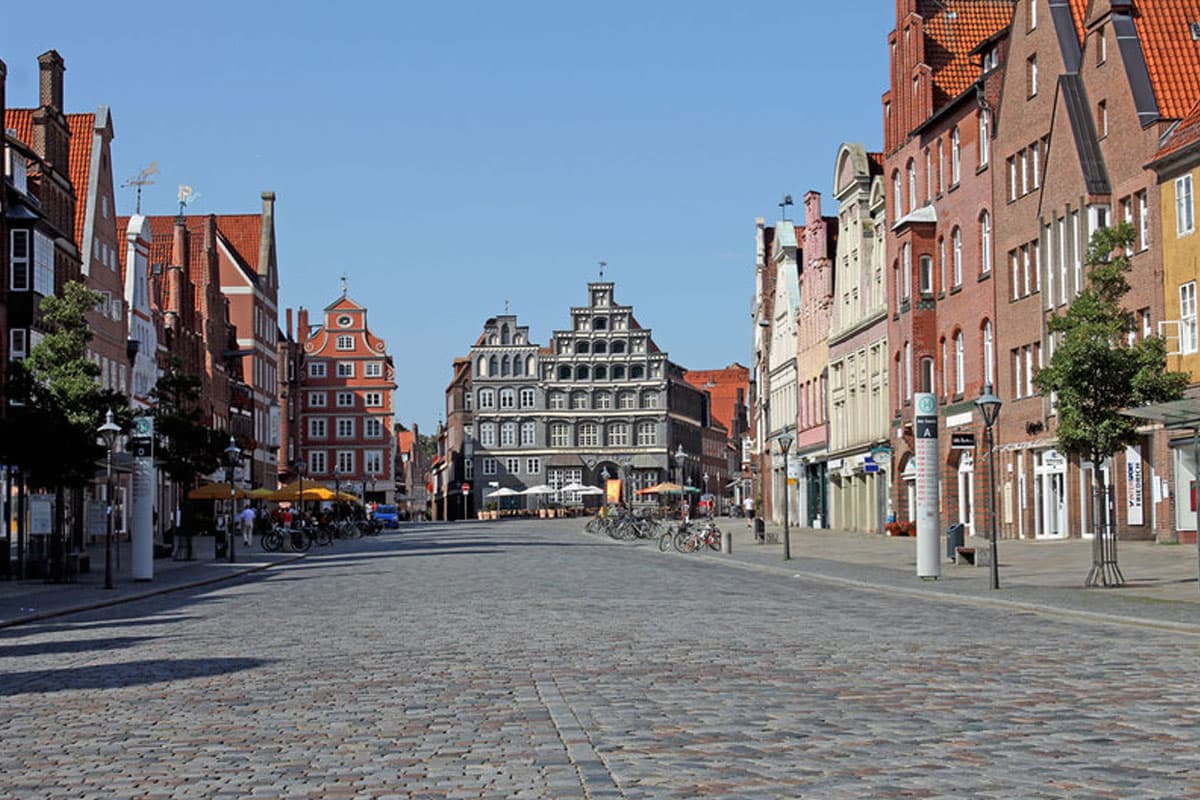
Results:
<point x="962" y="441"/>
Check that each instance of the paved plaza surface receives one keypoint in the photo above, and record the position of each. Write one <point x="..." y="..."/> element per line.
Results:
<point x="528" y="659"/>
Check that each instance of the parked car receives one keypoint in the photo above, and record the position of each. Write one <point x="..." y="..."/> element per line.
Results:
<point x="388" y="515"/>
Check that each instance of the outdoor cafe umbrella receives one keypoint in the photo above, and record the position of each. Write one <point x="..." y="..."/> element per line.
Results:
<point x="662" y="488"/>
<point x="216" y="491"/>
<point x="261" y="493"/>
<point x="503" y="492"/>
<point x="312" y="491"/>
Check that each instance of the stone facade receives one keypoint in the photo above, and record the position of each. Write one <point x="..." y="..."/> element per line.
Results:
<point x="858" y="350"/>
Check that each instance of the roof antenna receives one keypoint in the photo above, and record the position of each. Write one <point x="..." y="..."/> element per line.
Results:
<point x="603" y="264"/>
<point x="344" y="289"/>
<point x="783" y="204"/>
<point x="505" y="306"/>
<point x="142" y="179"/>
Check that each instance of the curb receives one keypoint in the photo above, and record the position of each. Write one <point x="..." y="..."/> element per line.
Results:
<point x="128" y="598"/>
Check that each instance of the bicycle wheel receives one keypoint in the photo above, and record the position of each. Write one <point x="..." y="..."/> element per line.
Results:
<point x="592" y="525"/>
<point x="681" y="541"/>
<point x="323" y="536"/>
<point x="301" y="541"/>
<point x="666" y="542"/>
<point x="271" y="541"/>
<point x="713" y="539"/>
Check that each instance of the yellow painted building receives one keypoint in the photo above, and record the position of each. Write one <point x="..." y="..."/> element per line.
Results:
<point x="1177" y="165"/>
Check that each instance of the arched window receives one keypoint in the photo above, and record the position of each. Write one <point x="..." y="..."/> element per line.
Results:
<point x="956" y="243"/>
<point x="985" y="243"/>
<point x="582" y="373"/>
<point x="959" y="377"/>
<point x="908" y="384"/>
<point x="989" y="354"/>
<point x="912" y="185"/>
<point x="487" y="398"/>
<point x="589" y="434"/>
<point x="985" y="118"/>
<point x="906" y="271"/>
<point x="518" y="365"/>
<point x="493" y="366"/>
<point x="926" y="374"/>
<point x="508" y="398"/>
<point x="558" y="400"/>
<point x="560" y="434"/>
<point x="579" y="400"/>
<point x="897" y="196"/>
<point x="647" y="434"/>
<point x="945" y="370"/>
<point x="508" y="434"/>
<point x="637" y="372"/>
<point x="604" y="400"/>
<point x="650" y="400"/>
<point x="530" y="365"/>
<point x="600" y="324"/>
<point x="600" y="347"/>
<point x="618" y="346"/>
<point x="528" y="398"/>
<point x="618" y="434"/>
<point x="481" y="367"/>
<point x="600" y="373"/>
<point x="925" y="275"/>
<point x="487" y="434"/>
<point x="627" y="400"/>
<point x="564" y="372"/>
<point x="505" y="367"/>
<point x="582" y="346"/>
<point x="955" y="156"/>
<point x="528" y="433"/>
<point x="618" y="372"/>
<point x="504" y="334"/>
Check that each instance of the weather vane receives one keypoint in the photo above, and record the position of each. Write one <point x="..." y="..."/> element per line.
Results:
<point x="505" y="306"/>
<point x="187" y="196"/>
<point x="140" y="180"/>
<point x="345" y="289"/>
<point x="603" y="264"/>
<point x="783" y="204"/>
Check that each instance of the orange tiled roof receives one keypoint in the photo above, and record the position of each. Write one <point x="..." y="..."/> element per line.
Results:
<point x="21" y="121"/>
<point x="1186" y="134"/>
<point x="1172" y="56"/>
<point x="404" y="441"/>
<point x="82" y="127"/>
<point x="876" y="163"/>
<point x="953" y="28"/>
<point x="242" y="232"/>
<point x="1078" y="13"/>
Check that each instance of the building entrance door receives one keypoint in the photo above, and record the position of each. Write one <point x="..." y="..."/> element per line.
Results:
<point x="1050" y="473"/>
<point x="966" y="492"/>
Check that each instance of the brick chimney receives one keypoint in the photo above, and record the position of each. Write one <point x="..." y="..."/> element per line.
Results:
<point x="302" y="326"/>
<point x="288" y="324"/>
<point x="266" y="239"/>
<point x="175" y="278"/>
<point x="51" y="86"/>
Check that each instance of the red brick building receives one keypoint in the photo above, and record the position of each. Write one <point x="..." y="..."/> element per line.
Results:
<point x="937" y="171"/>
<point x="1090" y="89"/>
<point x="728" y="391"/>
<point x="346" y="387"/>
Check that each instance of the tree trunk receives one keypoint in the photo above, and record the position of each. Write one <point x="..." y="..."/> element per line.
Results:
<point x="1104" y="571"/>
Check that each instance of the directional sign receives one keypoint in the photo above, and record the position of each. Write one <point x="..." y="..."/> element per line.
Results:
<point x="962" y="441"/>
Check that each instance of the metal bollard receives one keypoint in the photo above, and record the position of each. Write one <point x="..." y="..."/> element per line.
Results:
<point x="726" y="542"/>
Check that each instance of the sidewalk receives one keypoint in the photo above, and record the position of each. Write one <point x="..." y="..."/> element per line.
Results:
<point x="1045" y="576"/>
<point x="29" y="600"/>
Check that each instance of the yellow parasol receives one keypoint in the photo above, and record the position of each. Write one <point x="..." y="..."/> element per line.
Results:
<point x="216" y="491"/>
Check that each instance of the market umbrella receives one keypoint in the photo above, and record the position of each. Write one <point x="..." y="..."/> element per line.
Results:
<point x="575" y="486"/>
<point x="261" y="493"/>
<point x="503" y="492"/>
<point x="662" y="488"/>
<point x="216" y="491"/>
<point x="588" y="490"/>
<point x="541" y="488"/>
<point x="312" y="491"/>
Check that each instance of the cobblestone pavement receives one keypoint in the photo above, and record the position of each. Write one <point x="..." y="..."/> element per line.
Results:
<point x="531" y="660"/>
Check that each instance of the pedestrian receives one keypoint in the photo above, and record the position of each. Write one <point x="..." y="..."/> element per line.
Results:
<point x="748" y="509"/>
<point x="246" y="518"/>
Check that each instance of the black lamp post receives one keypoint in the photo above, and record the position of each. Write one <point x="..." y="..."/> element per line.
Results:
<point x="707" y="500"/>
<point x="785" y="444"/>
<point x="301" y="467"/>
<point x="989" y="406"/>
<point x="232" y="455"/>
<point x="108" y="432"/>
<point x="681" y="456"/>
<point x="337" y="494"/>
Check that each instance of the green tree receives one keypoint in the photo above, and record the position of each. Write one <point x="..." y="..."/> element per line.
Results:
<point x="1097" y="372"/>
<point x="185" y="446"/>
<point x="51" y="434"/>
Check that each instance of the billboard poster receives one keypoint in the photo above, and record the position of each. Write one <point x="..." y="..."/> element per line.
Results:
<point x="1133" y="485"/>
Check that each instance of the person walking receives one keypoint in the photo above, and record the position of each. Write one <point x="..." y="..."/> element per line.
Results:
<point x="246" y="519"/>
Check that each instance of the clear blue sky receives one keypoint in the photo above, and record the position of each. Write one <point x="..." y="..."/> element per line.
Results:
<point x="448" y="157"/>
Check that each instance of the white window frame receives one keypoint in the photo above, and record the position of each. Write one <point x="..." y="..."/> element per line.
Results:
<point x="984" y="142"/>
<point x="512" y="465"/>
<point x="487" y="398"/>
<point x="989" y="354"/>
<point x="1189" y="340"/>
<point x="372" y="428"/>
<point x="24" y="262"/>
<point x="373" y="399"/>
<point x="1185" y="208"/>
<point x="647" y="434"/>
<point x="1143" y="213"/>
<point x="373" y="369"/>
<point x="318" y="428"/>
<point x="18" y="344"/>
<point x="508" y="434"/>
<point x="528" y="398"/>
<point x="588" y="434"/>
<point x="345" y="462"/>
<point x="955" y="157"/>
<point x="373" y="462"/>
<point x="528" y="434"/>
<point x="317" y="464"/>
<point x="508" y="398"/>
<point x="488" y="465"/>
<point x="345" y="400"/>
<point x="345" y="369"/>
<point x="533" y="466"/>
<point x="316" y="369"/>
<point x="344" y="342"/>
<point x="956" y="262"/>
<point x="960" y="379"/>
<point x="560" y="434"/>
<point x="985" y="243"/>
<point x="317" y="400"/>
<point x="344" y="427"/>
<point x="618" y="434"/>
<point x="487" y="434"/>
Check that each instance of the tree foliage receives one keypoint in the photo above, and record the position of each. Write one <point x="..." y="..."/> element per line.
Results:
<point x="186" y="447"/>
<point x="1096" y="372"/>
<point x="52" y="432"/>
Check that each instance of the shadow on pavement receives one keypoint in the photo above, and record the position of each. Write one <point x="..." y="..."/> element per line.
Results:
<point x="119" y="675"/>
<point x="71" y="646"/>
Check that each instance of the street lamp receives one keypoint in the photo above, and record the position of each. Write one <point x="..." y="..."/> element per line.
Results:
<point x="301" y="467"/>
<point x="680" y="457"/>
<point x="232" y="455"/>
<point x="785" y="444"/>
<point x="989" y="407"/>
<point x="108" y="432"/>
<point x="337" y="492"/>
<point x="707" y="500"/>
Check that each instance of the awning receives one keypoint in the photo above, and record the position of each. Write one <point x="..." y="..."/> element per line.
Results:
<point x="1183" y="413"/>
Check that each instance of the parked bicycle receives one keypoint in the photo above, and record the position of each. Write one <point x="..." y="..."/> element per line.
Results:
<point x="693" y="536"/>
<point x="296" y="539"/>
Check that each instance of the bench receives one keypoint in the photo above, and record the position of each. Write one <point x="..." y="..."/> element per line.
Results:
<point x="980" y="557"/>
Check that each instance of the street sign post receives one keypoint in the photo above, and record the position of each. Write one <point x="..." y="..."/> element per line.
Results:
<point x="925" y="426"/>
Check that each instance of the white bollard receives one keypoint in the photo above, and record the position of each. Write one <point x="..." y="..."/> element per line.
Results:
<point x="726" y="542"/>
